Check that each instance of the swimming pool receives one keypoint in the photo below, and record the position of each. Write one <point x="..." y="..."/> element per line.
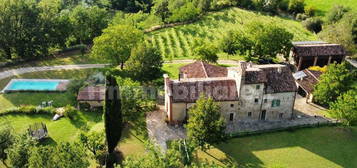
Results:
<point x="36" y="85"/>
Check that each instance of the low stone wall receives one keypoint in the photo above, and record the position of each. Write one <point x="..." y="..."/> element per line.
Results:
<point x="242" y="128"/>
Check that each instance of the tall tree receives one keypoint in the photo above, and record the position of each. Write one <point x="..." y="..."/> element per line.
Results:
<point x="338" y="79"/>
<point x="345" y="107"/>
<point x="6" y="140"/>
<point x="205" y="125"/>
<point x="206" y="52"/>
<point x="259" y="42"/>
<point x="113" y="120"/>
<point x="116" y="43"/>
<point x="88" y="23"/>
<point x="145" y="63"/>
<point x="21" y="29"/>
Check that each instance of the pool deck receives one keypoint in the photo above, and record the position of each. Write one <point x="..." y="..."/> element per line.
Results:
<point x="62" y="86"/>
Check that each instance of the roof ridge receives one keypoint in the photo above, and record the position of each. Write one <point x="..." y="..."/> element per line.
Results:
<point x="312" y="74"/>
<point x="204" y="69"/>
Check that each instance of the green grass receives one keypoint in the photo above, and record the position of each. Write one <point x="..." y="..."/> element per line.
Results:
<point x="331" y="147"/>
<point x="323" y="6"/>
<point x="172" y="70"/>
<point x="177" y="42"/>
<point x="35" y="98"/>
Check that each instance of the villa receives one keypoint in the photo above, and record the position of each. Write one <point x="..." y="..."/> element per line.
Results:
<point x="246" y="92"/>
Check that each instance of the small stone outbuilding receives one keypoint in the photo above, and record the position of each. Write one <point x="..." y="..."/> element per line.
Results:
<point x="92" y="95"/>
<point x="314" y="53"/>
<point x="306" y="81"/>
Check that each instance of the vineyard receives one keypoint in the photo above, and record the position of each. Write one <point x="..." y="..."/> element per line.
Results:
<point x="177" y="42"/>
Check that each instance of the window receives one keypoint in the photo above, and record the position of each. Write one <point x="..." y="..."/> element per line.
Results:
<point x="231" y="116"/>
<point x="256" y="100"/>
<point x="281" y="115"/>
<point x="232" y="105"/>
<point x="257" y="87"/>
<point x="275" y="103"/>
<point x="265" y="100"/>
<point x="249" y="114"/>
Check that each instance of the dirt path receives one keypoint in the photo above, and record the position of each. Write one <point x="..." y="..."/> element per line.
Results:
<point x="19" y="71"/>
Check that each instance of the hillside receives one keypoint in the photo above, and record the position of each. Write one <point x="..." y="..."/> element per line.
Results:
<point x="324" y="6"/>
<point x="176" y="42"/>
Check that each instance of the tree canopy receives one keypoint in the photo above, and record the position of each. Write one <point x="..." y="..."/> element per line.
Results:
<point x="338" y="79"/>
<point x="345" y="107"/>
<point x="145" y="63"/>
<point x="205" y="124"/>
<point x="64" y="155"/>
<point x="116" y="43"/>
<point x="206" y="52"/>
<point x="258" y="42"/>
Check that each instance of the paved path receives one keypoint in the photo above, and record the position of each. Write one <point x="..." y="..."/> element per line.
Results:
<point x="19" y="71"/>
<point x="159" y="131"/>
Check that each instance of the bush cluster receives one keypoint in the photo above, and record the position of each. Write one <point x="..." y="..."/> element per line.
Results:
<point x="313" y="24"/>
<point x="71" y="112"/>
<point x="29" y="110"/>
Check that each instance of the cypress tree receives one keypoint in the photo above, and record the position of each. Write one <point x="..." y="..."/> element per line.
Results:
<point x="112" y="118"/>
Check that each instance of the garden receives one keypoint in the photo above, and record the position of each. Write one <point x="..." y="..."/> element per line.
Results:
<point x="21" y="109"/>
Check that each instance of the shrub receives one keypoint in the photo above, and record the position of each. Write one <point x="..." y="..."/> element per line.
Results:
<point x="313" y="24"/>
<point x="283" y="5"/>
<point x="187" y="12"/>
<point x="336" y="13"/>
<point x="310" y="11"/>
<point x="301" y="16"/>
<point x="248" y="4"/>
<point x="70" y="112"/>
<point x="29" y="109"/>
<point x="296" y="6"/>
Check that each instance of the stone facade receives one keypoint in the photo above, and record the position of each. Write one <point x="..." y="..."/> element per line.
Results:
<point x="256" y="97"/>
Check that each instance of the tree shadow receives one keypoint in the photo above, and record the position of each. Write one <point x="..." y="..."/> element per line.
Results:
<point x="48" y="141"/>
<point x="332" y="143"/>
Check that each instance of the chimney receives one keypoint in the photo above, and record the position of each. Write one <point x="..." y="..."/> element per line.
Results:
<point x="279" y="69"/>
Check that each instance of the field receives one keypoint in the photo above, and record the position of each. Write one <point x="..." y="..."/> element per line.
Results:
<point x="323" y="6"/>
<point x="325" y="147"/>
<point x="177" y="42"/>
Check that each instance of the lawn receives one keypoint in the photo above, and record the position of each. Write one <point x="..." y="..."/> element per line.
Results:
<point x="66" y="130"/>
<point x="331" y="147"/>
<point x="323" y="6"/>
<point x="25" y="98"/>
<point x="177" y="42"/>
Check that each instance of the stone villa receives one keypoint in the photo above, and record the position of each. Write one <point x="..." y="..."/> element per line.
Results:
<point x="246" y="92"/>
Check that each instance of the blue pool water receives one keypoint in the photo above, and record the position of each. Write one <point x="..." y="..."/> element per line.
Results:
<point x="34" y="85"/>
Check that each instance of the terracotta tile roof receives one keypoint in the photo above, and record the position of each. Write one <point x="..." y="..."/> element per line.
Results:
<point x="310" y="80"/>
<point x="319" y="50"/>
<point x="189" y="92"/>
<point x="201" y="69"/>
<point x="252" y="77"/>
<point x="277" y="78"/>
<point x="92" y="93"/>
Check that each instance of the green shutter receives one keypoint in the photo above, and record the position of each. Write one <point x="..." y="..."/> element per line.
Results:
<point x="277" y="102"/>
